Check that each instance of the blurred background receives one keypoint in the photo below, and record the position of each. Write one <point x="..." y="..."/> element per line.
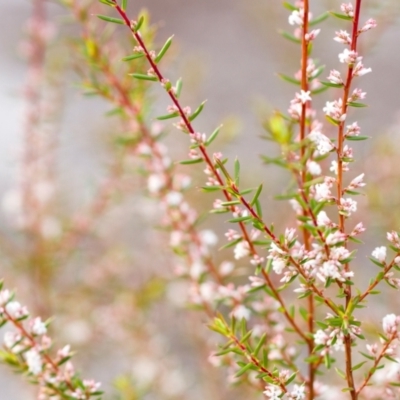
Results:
<point x="228" y="52"/>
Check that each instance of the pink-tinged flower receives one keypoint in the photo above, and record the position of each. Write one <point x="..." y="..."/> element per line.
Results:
<point x="38" y="327"/>
<point x="296" y="17"/>
<point x="241" y="312"/>
<point x="298" y="392"/>
<point x="380" y="254"/>
<point x="323" y="144"/>
<point x="393" y="238"/>
<point x="5" y="296"/>
<point x="273" y="392"/>
<point x="64" y="352"/>
<point x="323" y="219"/>
<point x="304" y="96"/>
<point x="155" y="183"/>
<point x="370" y="24"/>
<point x="360" y="70"/>
<point x="349" y="57"/>
<point x="173" y="199"/>
<point x="256" y="260"/>
<point x="347" y="9"/>
<point x="34" y="361"/>
<point x="321" y="337"/>
<point x="334" y="110"/>
<point x="335" y="238"/>
<point x="290" y="234"/>
<point x="297" y="208"/>
<point x="323" y="192"/>
<point x="353" y="129"/>
<point x="91" y="385"/>
<point x="358" y="229"/>
<point x="357" y="182"/>
<point x="343" y="37"/>
<point x="372" y="349"/>
<point x="339" y="253"/>
<point x="348" y="205"/>
<point x="314" y="168"/>
<point x="232" y="235"/>
<point x="15" y="310"/>
<point x="312" y="35"/>
<point x="241" y="250"/>
<point x="357" y="94"/>
<point x="335" y="77"/>
<point x="208" y="237"/>
<point x="390" y="324"/>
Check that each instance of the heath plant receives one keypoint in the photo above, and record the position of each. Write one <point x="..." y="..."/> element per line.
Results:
<point x="286" y="301"/>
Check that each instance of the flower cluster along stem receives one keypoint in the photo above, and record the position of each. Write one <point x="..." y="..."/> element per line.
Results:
<point x="378" y="359"/>
<point x="306" y="233"/>
<point x="214" y="170"/>
<point x="340" y="192"/>
<point x="251" y="358"/>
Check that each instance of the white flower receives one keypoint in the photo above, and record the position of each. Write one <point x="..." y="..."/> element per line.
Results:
<point x="208" y="237"/>
<point x="390" y="323"/>
<point x="273" y="392"/>
<point x="15" y="310"/>
<point x="323" y="219"/>
<point x="241" y="250"/>
<point x="155" y="183"/>
<point x="38" y="327"/>
<point x="380" y="254"/>
<point x="174" y="198"/>
<point x="241" y="312"/>
<point x="314" y="168"/>
<point x="357" y="182"/>
<point x="324" y="145"/>
<point x="278" y="265"/>
<point x="34" y="361"/>
<point x="370" y="24"/>
<point x="320" y="337"/>
<point x="304" y="96"/>
<point x="296" y="17"/>
<point x="349" y="57"/>
<point x="298" y="392"/>
<point x="348" y="205"/>
<point x="335" y="77"/>
<point x="322" y="192"/>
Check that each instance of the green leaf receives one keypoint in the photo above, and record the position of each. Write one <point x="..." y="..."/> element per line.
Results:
<point x="289" y="79"/>
<point x="138" y="24"/>
<point x="243" y="370"/>
<point x="289" y="6"/>
<point x="189" y="162"/>
<point x="341" y="16"/>
<point x="213" y="136"/>
<point x="290" y="37"/>
<point x="237" y="171"/>
<point x="257" y="195"/>
<point x="259" y="344"/>
<point x="359" y="105"/>
<point x="240" y="219"/>
<point x="367" y="356"/>
<point x="107" y="3"/>
<point x="319" y="19"/>
<point x="357" y="138"/>
<point x="197" y="112"/>
<point x="163" y="50"/>
<point x="168" y="116"/>
<point x="334" y="85"/>
<point x="111" y="19"/>
<point x="144" y="77"/>
<point x="124" y="4"/>
<point x="178" y="87"/>
<point x="133" y="57"/>
<point x="358" y="366"/>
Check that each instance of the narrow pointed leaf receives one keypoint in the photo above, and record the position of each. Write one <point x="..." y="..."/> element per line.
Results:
<point x="164" y="49"/>
<point x="197" y="112"/>
<point x="111" y="19"/>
